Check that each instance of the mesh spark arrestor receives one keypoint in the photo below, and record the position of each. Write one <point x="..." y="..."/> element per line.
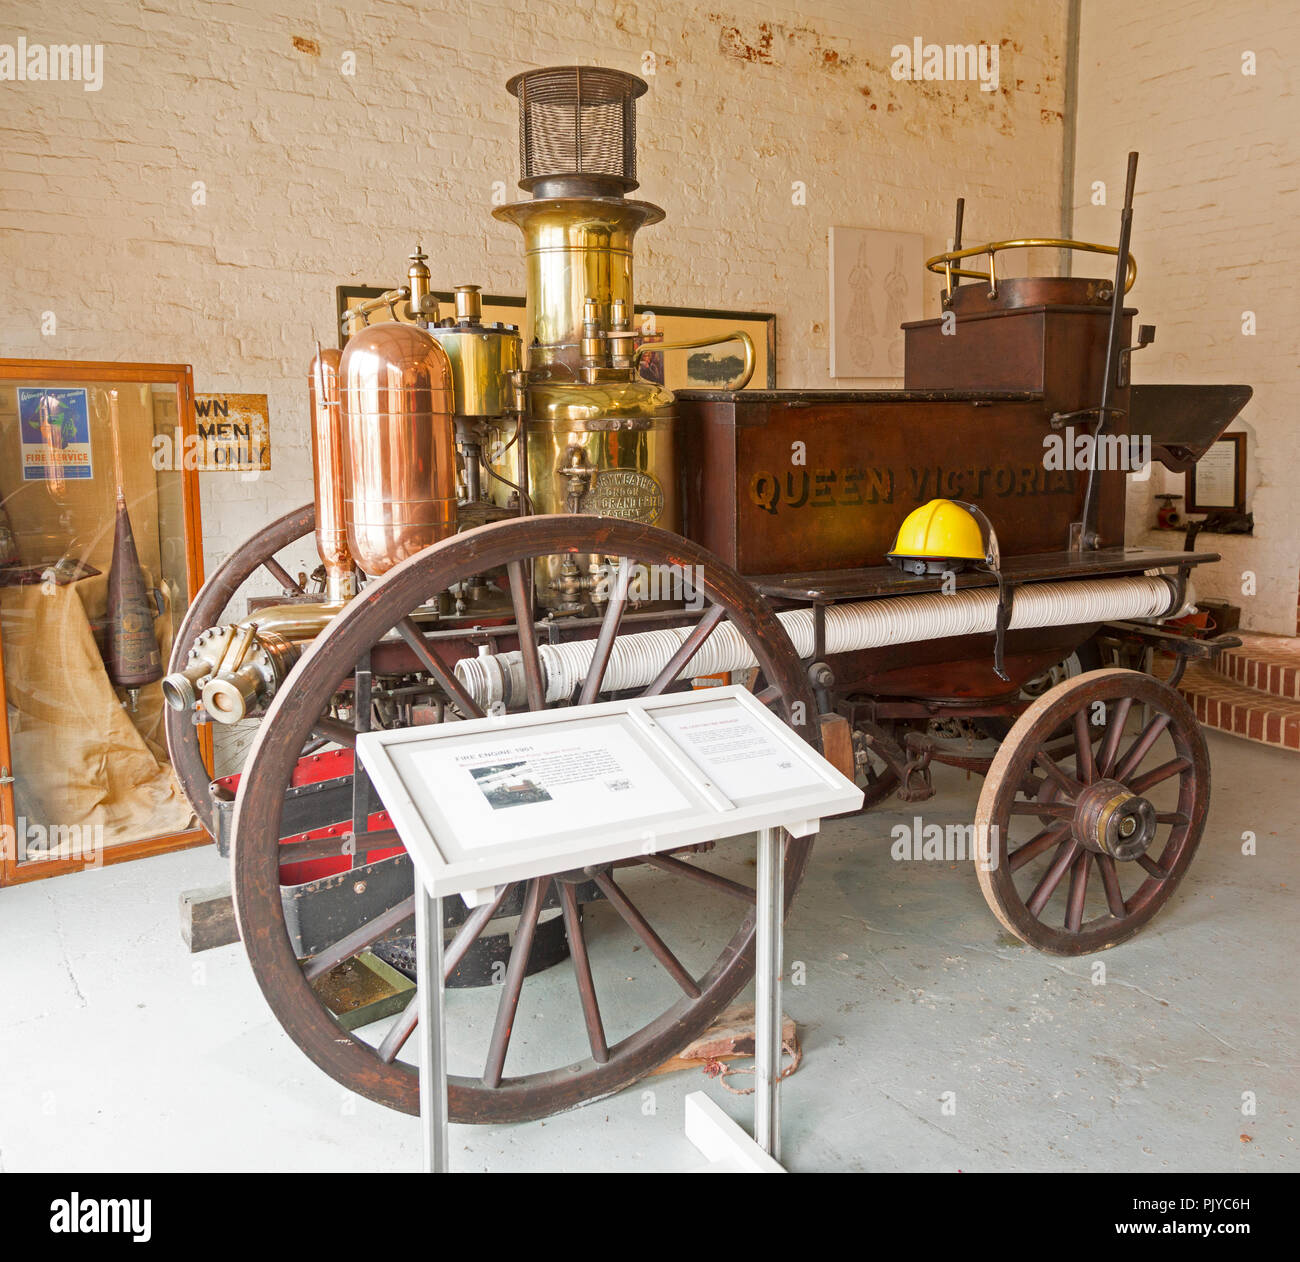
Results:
<point x="577" y="130"/>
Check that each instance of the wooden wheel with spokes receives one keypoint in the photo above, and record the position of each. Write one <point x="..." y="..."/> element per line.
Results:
<point x="1078" y="850"/>
<point x="206" y="610"/>
<point x="626" y="1017"/>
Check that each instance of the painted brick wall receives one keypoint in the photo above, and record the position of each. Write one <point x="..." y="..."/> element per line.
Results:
<point x="314" y="178"/>
<point x="1217" y="195"/>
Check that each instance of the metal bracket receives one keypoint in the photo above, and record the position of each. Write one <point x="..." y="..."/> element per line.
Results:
<point x="1006" y="595"/>
<point x="910" y="765"/>
<point x="915" y="784"/>
<point x="1179" y="585"/>
<point x="822" y="679"/>
<point x="1146" y="335"/>
<point x="1059" y="420"/>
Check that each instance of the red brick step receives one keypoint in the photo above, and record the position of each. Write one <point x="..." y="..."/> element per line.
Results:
<point x="1266" y="663"/>
<point x="1221" y="702"/>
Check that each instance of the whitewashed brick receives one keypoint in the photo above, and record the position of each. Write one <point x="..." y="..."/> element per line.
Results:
<point x="1216" y="196"/>
<point x="316" y="179"/>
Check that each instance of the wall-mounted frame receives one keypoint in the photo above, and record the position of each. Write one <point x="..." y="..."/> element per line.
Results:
<point x="1217" y="482"/>
<point x="704" y="369"/>
<point x="84" y="774"/>
<point x="876" y="286"/>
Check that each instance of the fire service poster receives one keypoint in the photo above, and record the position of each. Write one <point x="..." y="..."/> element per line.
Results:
<point x="55" y="425"/>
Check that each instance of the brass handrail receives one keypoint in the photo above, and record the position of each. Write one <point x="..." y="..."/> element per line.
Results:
<point x="943" y="263"/>
<point x="737" y="335"/>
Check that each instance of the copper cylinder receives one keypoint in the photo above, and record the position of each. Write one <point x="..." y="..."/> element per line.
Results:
<point x="400" y="486"/>
<point x="329" y="459"/>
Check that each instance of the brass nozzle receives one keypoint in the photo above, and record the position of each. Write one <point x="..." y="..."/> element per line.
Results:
<point x="180" y="688"/>
<point x="228" y="697"/>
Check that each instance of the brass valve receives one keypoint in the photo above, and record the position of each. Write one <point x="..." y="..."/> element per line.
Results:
<point x="579" y="475"/>
<point x="572" y="584"/>
<point x="595" y="347"/>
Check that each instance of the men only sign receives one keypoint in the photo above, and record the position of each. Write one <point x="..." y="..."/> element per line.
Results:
<point x="234" y="433"/>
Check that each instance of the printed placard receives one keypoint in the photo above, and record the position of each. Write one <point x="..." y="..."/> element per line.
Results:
<point x="487" y="801"/>
<point x="736" y="753"/>
<point x="540" y="781"/>
<point x="55" y="426"/>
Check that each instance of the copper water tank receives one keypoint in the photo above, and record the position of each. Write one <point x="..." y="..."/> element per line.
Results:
<point x="400" y="483"/>
<point x="329" y="459"/>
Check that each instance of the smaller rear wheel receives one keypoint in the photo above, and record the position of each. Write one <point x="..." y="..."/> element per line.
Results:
<point x="1077" y="850"/>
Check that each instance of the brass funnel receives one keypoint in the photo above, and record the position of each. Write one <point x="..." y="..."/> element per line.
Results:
<point x="599" y="439"/>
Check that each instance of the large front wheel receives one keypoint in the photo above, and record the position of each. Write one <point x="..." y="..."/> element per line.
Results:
<point x="658" y="948"/>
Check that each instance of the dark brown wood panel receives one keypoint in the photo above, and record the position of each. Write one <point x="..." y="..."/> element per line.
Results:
<point x="778" y="483"/>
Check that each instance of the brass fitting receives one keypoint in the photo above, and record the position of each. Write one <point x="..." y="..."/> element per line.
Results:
<point x="422" y="305"/>
<point x="469" y="304"/>
<point x="234" y="670"/>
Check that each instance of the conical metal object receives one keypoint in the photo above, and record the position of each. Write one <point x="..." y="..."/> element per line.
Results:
<point x="134" y="657"/>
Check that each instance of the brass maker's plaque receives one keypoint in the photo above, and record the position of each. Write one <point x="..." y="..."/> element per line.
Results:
<point x="625" y="493"/>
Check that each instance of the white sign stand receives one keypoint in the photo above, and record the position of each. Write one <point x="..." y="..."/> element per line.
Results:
<point x="486" y="802"/>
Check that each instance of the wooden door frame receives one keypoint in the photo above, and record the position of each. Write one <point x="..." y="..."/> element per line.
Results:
<point x="75" y="371"/>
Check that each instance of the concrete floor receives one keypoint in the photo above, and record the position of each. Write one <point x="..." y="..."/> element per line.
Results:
<point x="122" y="1052"/>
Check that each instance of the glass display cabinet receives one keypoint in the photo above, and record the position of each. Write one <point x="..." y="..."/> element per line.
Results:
<point x="99" y="556"/>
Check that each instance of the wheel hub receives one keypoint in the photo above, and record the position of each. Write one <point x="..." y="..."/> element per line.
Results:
<point x="1110" y="820"/>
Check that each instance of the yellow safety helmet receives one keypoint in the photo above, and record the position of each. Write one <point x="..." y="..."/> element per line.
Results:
<point x="944" y="535"/>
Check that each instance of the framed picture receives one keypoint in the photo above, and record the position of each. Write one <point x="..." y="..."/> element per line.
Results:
<point x="1217" y="482"/>
<point x="707" y="368"/>
<point x="875" y="286"/>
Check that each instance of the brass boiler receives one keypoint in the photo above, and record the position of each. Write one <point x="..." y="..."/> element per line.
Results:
<point x="485" y="370"/>
<point x="598" y="435"/>
<point x="598" y="438"/>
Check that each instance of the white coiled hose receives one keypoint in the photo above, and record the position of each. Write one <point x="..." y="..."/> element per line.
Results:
<point x="637" y="659"/>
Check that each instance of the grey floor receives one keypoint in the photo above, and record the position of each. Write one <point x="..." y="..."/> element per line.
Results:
<point x="931" y="1042"/>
